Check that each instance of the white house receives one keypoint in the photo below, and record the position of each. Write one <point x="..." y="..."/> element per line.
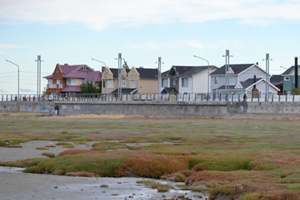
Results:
<point x="187" y="79"/>
<point x="241" y="78"/>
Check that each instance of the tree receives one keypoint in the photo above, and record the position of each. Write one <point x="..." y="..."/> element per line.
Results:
<point x="125" y="65"/>
<point x="89" y="87"/>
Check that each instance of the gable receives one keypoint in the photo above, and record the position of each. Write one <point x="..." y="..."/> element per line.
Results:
<point x="254" y="67"/>
<point x="58" y="70"/>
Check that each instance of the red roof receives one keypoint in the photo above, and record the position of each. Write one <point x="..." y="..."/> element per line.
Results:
<point x="77" y="71"/>
<point x="71" y="89"/>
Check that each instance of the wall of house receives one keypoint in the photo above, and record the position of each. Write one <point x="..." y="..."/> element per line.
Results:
<point x="261" y="86"/>
<point x="250" y="74"/>
<point x="200" y="82"/>
<point x="221" y="81"/>
<point x="147" y="86"/>
<point x="188" y="89"/>
<point x="288" y="85"/>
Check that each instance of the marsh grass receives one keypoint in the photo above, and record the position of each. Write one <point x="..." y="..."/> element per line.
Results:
<point x="263" y="154"/>
<point x="159" y="186"/>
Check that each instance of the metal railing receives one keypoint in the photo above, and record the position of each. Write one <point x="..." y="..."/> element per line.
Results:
<point x="155" y="98"/>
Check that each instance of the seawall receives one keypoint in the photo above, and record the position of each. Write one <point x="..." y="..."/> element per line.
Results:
<point x="178" y="109"/>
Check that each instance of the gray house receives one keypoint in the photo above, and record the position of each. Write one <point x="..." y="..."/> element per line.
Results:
<point x="241" y="78"/>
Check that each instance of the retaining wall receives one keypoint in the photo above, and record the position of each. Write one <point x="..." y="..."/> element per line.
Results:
<point x="179" y="109"/>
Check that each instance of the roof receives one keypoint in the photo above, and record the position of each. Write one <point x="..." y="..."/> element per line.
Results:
<point x="186" y="71"/>
<point x="147" y="73"/>
<point x="74" y="71"/>
<point x="289" y="70"/>
<point x="236" y="68"/>
<point x="249" y="82"/>
<point x="125" y="91"/>
<point x="276" y="79"/>
<point x="71" y="89"/>
<point x="168" y="90"/>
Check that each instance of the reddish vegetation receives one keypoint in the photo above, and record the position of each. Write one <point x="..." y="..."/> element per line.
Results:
<point x="154" y="166"/>
<point x="82" y="173"/>
<point x="73" y="152"/>
<point x="13" y="146"/>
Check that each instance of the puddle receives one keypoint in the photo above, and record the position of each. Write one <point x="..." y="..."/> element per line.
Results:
<point x="40" y="186"/>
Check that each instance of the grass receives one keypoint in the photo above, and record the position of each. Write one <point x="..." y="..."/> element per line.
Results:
<point x="159" y="186"/>
<point x="262" y="155"/>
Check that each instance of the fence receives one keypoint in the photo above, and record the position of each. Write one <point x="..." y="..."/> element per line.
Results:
<point x="157" y="98"/>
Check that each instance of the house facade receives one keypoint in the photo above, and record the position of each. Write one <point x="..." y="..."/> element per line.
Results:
<point x="133" y="81"/>
<point x="67" y="79"/>
<point x="187" y="79"/>
<point x="289" y="80"/>
<point x="241" y="78"/>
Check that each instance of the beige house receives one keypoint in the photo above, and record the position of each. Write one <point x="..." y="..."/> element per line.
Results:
<point x="134" y="81"/>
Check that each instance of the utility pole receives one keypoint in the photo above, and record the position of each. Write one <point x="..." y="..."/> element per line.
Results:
<point x="159" y="75"/>
<point x="227" y="66"/>
<point x="267" y="76"/>
<point x="119" y="76"/>
<point x="38" y="90"/>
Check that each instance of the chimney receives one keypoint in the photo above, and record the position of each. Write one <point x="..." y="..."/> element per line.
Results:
<point x="103" y="69"/>
<point x="296" y="72"/>
<point x="66" y="64"/>
<point x="256" y="63"/>
<point x="255" y="93"/>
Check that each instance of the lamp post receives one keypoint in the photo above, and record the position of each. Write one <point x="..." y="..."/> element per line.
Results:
<point x="207" y="71"/>
<point x="18" y="76"/>
<point x="104" y="76"/>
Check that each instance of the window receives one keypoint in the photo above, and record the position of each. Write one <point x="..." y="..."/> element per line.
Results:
<point x="71" y="82"/>
<point x="286" y="78"/>
<point x="216" y="80"/>
<point x="49" y="81"/>
<point x="109" y="83"/>
<point x="164" y="82"/>
<point x="231" y="80"/>
<point x="132" y="84"/>
<point x="123" y="81"/>
<point x="184" y="82"/>
<point x="57" y="81"/>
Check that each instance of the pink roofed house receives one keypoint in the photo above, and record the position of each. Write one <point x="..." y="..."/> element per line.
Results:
<point x="67" y="79"/>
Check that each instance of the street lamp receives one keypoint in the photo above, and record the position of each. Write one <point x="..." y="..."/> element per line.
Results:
<point x="18" y="76"/>
<point x="207" y="71"/>
<point x="104" y="76"/>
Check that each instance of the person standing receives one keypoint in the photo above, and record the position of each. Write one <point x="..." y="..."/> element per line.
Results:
<point x="56" y="109"/>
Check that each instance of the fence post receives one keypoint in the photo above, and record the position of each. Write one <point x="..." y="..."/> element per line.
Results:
<point x="272" y="97"/>
<point x="293" y="97"/>
<point x="286" y="98"/>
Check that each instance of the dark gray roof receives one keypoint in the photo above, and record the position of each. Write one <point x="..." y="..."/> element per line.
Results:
<point x="186" y="71"/>
<point x="165" y="74"/>
<point x="144" y="72"/>
<point x="124" y="91"/>
<point x="248" y="82"/>
<point x="168" y="90"/>
<point x="289" y="70"/>
<point x="276" y="79"/>
<point x="147" y="73"/>
<point x="237" y="68"/>
<point x="115" y="72"/>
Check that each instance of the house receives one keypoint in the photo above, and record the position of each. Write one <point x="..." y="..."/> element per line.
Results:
<point x="242" y="78"/>
<point x="67" y="79"/>
<point x="289" y="80"/>
<point x="277" y="80"/>
<point x="187" y="79"/>
<point x="133" y="81"/>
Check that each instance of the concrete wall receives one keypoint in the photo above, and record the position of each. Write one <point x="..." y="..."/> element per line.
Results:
<point x="179" y="109"/>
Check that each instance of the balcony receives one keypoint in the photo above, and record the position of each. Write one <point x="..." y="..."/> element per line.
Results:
<point x="54" y="86"/>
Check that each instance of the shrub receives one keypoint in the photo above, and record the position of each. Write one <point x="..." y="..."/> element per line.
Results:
<point x="160" y="187"/>
<point x="49" y="155"/>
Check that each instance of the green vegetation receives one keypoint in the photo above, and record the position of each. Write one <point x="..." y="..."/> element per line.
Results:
<point x="159" y="186"/>
<point x="248" y="159"/>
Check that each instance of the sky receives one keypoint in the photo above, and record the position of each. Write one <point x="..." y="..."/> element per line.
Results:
<point x="74" y="31"/>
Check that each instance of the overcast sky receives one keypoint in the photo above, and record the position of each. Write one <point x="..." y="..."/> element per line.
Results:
<point x="74" y="31"/>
